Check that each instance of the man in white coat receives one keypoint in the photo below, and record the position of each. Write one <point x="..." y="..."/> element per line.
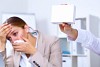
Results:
<point x="82" y="36"/>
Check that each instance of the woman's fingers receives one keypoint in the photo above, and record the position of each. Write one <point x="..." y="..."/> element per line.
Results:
<point x="17" y="47"/>
<point x="4" y="28"/>
<point x="25" y="39"/>
<point x="21" y="47"/>
<point x="24" y="47"/>
<point x="6" y="31"/>
<point x="5" y="24"/>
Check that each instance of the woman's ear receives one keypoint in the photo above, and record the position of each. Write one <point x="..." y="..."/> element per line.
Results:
<point x="26" y="27"/>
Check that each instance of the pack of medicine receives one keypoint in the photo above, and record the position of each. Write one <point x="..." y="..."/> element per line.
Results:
<point x="63" y="13"/>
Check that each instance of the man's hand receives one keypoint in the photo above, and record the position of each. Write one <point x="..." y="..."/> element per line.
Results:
<point x="67" y="29"/>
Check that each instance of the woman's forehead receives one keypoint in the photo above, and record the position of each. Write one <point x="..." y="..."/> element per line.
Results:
<point x="13" y="29"/>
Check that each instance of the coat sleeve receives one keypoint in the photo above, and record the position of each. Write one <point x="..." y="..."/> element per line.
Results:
<point x="89" y="41"/>
<point x="8" y="61"/>
<point x="3" y="54"/>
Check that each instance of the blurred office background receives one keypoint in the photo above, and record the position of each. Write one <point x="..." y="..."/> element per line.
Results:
<point x="42" y="10"/>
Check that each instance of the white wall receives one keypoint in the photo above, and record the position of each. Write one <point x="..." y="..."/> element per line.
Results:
<point x="85" y="7"/>
<point x="42" y="9"/>
<point x="13" y="6"/>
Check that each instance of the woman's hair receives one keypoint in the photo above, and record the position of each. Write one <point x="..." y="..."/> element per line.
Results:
<point x="16" y="21"/>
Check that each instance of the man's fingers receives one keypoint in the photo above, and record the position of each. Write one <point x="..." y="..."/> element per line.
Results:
<point x="62" y="26"/>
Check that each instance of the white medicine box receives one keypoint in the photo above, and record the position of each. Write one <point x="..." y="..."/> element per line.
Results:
<point x="63" y="13"/>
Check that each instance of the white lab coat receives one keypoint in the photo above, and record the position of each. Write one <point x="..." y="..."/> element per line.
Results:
<point x="90" y="41"/>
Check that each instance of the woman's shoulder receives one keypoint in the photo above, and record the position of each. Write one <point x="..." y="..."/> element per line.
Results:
<point x="47" y="37"/>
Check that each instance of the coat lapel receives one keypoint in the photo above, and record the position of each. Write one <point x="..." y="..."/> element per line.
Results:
<point x="40" y="44"/>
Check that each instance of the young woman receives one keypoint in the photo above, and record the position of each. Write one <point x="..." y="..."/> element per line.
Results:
<point x="37" y="50"/>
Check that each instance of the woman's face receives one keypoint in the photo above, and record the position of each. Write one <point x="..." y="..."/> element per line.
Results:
<point x="16" y="33"/>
